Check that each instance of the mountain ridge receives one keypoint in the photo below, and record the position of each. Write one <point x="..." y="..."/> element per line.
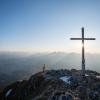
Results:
<point x="53" y="84"/>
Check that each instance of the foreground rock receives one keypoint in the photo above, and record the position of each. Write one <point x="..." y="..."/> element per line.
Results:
<point x="55" y="85"/>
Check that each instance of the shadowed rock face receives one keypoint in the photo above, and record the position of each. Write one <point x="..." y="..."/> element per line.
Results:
<point x="55" y="85"/>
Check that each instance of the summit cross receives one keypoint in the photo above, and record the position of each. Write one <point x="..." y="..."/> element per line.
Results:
<point x="83" y="54"/>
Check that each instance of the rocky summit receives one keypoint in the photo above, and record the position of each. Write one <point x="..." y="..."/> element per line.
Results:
<point x="55" y="85"/>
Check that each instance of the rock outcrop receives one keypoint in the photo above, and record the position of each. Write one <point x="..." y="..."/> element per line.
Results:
<point x="55" y="85"/>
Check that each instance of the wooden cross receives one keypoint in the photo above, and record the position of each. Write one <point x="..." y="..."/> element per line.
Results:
<point x="83" y="55"/>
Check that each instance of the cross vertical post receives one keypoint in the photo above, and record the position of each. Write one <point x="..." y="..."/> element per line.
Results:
<point x="83" y="56"/>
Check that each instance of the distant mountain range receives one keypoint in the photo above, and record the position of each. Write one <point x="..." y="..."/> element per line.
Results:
<point x="17" y="66"/>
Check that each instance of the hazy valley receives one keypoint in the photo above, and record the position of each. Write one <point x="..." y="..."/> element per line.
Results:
<point x="18" y="66"/>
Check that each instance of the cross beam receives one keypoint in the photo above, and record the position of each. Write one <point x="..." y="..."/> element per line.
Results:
<point x="81" y="38"/>
<point x="83" y="55"/>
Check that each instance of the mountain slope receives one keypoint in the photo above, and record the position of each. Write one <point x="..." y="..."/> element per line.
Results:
<point x="55" y="85"/>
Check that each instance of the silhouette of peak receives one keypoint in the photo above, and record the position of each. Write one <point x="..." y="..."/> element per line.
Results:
<point x="55" y="85"/>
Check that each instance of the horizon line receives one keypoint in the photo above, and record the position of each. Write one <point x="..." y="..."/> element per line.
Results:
<point x="46" y="52"/>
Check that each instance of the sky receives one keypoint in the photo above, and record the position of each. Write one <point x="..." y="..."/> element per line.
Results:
<point x="48" y="25"/>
